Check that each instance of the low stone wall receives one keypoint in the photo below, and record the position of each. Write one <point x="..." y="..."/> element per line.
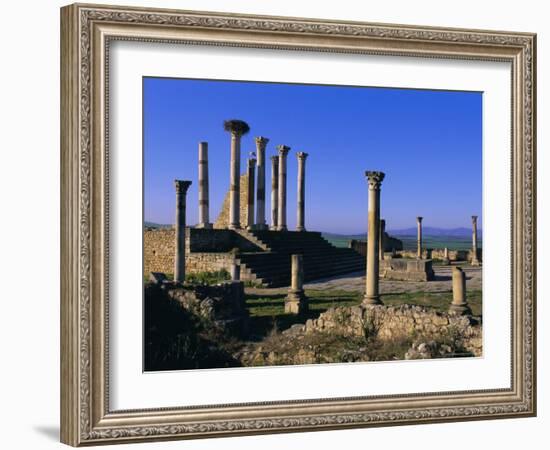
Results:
<point x="390" y="244"/>
<point x="389" y="323"/>
<point x="206" y="250"/>
<point x="407" y="269"/>
<point x="439" y="253"/>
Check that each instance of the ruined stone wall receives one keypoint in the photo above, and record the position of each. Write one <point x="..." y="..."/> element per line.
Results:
<point x="394" y="322"/>
<point x="222" y="221"/>
<point x="158" y="250"/>
<point x="390" y="243"/>
<point x="205" y="250"/>
<point x="438" y="253"/>
<point x="208" y="262"/>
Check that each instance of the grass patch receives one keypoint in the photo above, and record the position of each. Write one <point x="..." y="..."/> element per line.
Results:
<point x="267" y="310"/>
<point x="437" y="300"/>
<point x="214" y="277"/>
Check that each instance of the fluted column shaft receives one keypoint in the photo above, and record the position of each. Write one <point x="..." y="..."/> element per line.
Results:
<point x="381" y="244"/>
<point x="419" y="238"/>
<point x="179" y="258"/>
<point x="261" y="143"/>
<point x="372" y="295"/>
<point x="234" y="182"/>
<point x="301" y="192"/>
<point x="281" y="220"/>
<point x="237" y="128"/>
<point x="274" y="192"/>
<point x="250" y="194"/>
<point x="204" y="214"/>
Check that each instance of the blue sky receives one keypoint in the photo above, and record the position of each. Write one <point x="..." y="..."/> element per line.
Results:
<point x="429" y="144"/>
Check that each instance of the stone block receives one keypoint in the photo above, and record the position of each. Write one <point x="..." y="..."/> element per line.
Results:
<point x="407" y="269"/>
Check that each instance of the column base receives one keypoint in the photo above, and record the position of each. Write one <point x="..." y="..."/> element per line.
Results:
<point x="296" y="302"/>
<point x="233" y="226"/>
<point x="204" y="226"/>
<point x="300" y="229"/>
<point x="283" y="228"/>
<point x="273" y="227"/>
<point x="372" y="300"/>
<point x="261" y="226"/>
<point x="460" y="310"/>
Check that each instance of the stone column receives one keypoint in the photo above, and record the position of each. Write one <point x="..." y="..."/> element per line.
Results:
<point x="204" y="215"/>
<point x="372" y="296"/>
<point x="459" y="304"/>
<point x="301" y="201"/>
<point x="281" y="219"/>
<point x="274" y="191"/>
<point x="261" y="143"/>
<point x="296" y="301"/>
<point x="250" y="195"/>
<point x="179" y="259"/>
<point x="419" y="238"/>
<point x="475" y="260"/>
<point x="381" y="239"/>
<point x="446" y="261"/>
<point x="237" y="128"/>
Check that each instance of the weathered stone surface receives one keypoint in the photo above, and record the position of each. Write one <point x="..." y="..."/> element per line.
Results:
<point x="395" y="322"/>
<point x="222" y="221"/>
<point x="390" y="244"/>
<point x="407" y="269"/>
<point x="439" y="253"/>
<point x="224" y="303"/>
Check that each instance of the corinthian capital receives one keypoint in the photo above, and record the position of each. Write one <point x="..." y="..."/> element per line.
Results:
<point x="283" y="149"/>
<point x="261" y="142"/>
<point x="375" y="179"/>
<point x="182" y="186"/>
<point x="302" y="156"/>
<point x="474" y="219"/>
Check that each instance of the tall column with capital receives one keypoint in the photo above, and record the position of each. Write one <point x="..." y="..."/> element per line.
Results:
<point x="274" y="191"/>
<point x="237" y="128"/>
<point x="261" y="143"/>
<point x="204" y="215"/>
<point x="179" y="259"/>
<point x="372" y="295"/>
<point x="419" y="237"/>
<point x="382" y="241"/>
<point x="250" y="194"/>
<point x="301" y="200"/>
<point x="281" y="220"/>
<point x="475" y="260"/>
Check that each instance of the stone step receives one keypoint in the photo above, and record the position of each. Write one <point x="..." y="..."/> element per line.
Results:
<point x="321" y="259"/>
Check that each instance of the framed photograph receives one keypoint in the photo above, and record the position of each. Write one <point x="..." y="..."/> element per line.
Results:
<point x="276" y="224"/>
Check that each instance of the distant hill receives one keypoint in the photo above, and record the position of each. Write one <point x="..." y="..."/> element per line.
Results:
<point x="433" y="231"/>
<point x="155" y="225"/>
<point x="427" y="231"/>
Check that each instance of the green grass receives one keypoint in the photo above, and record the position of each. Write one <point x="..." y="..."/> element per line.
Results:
<point x="214" y="277"/>
<point x="267" y="310"/>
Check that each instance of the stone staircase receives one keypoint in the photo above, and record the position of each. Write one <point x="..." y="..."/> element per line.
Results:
<point x="271" y="268"/>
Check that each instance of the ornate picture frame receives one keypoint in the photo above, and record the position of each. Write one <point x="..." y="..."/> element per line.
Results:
<point x="86" y="34"/>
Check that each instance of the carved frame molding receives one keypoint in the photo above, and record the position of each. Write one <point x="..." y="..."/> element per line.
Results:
<point x="86" y="31"/>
